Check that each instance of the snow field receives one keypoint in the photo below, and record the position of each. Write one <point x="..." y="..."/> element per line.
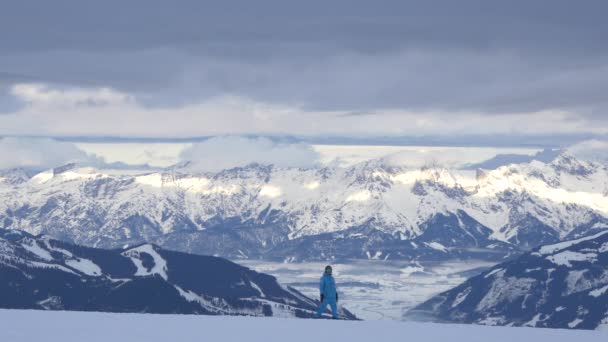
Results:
<point x="97" y="327"/>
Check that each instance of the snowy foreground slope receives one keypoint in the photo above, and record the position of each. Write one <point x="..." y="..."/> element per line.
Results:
<point x="564" y="285"/>
<point x="27" y="326"/>
<point x="47" y="274"/>
<point x="372" y="210"/>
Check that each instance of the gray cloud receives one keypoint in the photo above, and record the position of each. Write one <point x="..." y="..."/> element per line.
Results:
<point x="486" y="57"/>
<point x="216" y="27"/>
<point x="41" y="153"/>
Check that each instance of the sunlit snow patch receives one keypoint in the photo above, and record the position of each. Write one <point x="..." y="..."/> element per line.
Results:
<point x="461" y="297"/>
<point x="359" y="196"/>
<point x="493" y="272"/>
<point x="312" y="185"/>
<point x="160" y="265"/>
<point x="437" y="246"/>
<point x="564" y="258"/>
<point x="32" y="247"/>
<point x="43" y="177"/>
<point x="550" y="249"/>
<point x="85" y="266"/>
<point x="270" y="191"/>
<point x="599" y="292"/>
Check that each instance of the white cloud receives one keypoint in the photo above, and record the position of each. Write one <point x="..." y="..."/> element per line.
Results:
<point x="104" y="112"/>
<point x="592" y="150"/>
<point x="40" y="153"/>
<point x="226" y="152"/>
<point x="41" y="95"/>
<point x="167" y="154"/>
<point x="449" y="157"/>
<point x="153" y="154"/>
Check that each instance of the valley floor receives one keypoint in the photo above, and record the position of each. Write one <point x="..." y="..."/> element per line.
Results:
<point x="373" y="289"/>
<point x="29" y="325"/>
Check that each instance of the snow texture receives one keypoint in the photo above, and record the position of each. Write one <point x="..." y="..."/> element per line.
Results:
<point x="103" y="327"/>
<point x="504" y="290"/>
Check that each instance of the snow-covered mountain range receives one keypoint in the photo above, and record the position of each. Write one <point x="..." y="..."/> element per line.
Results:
<point x="564" y="285"/>
<point x="43" y="273"/>
<point x="370" y="210"/>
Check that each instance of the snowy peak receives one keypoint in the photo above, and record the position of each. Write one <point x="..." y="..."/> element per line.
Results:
<point x="13" y="177"/>
<point x="64" y="168"/>
<point x="567" y="163"/>
<point x="66" y="173"/>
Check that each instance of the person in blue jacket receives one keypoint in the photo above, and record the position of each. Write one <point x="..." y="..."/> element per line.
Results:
<point x="329" y="294"/>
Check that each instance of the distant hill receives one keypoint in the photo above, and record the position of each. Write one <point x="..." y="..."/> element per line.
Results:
<point x="47" y="274"/>
<point x="564" y="285"/>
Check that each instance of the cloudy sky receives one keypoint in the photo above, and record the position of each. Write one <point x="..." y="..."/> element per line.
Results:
<point x="521" y="73"/>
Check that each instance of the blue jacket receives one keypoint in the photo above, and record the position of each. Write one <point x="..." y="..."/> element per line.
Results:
<point x="328" y="287"/>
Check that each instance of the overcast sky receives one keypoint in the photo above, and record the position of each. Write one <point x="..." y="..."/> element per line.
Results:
<point x="147" y="68"/>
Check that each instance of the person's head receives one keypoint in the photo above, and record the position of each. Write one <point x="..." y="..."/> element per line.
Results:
<point x="328" y="270"/>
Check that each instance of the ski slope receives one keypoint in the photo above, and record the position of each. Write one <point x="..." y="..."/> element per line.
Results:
<point x="25" y="325"/>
